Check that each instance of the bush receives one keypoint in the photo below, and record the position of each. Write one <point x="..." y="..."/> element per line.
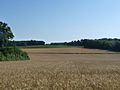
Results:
<point x="12" y="53"/>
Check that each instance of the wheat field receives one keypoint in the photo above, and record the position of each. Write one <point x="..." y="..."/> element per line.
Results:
<point x="62" y="69"/>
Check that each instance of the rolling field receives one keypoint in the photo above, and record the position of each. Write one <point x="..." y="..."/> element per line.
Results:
<point x="62" y="69"/>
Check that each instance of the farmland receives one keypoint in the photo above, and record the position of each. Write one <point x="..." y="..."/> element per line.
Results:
<point x="62" y="69"/>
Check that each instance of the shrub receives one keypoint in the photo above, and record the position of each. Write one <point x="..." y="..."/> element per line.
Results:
<point x="12" y="53"/>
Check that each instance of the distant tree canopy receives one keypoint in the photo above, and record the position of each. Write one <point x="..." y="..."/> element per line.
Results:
<point x="105" y="44"/>
<point x="26" y="43"/>
<point x="5" y="34"/>
<point x="72" y="43"/>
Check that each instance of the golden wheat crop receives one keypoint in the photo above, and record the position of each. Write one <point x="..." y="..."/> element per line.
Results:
<point x="62" y="69"/>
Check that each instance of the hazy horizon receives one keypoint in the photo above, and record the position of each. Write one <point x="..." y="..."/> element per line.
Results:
<point x="61" y="20"/>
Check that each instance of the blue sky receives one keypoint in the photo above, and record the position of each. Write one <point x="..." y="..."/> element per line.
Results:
<point x="61" y="20"/>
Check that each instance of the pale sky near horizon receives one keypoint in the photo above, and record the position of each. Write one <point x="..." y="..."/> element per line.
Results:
<point x="61" y="20"/>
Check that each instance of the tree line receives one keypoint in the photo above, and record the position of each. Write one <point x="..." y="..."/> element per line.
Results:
<point x="6" y="36"/>
<point x="72" y="43"/>
<point x="105" y="44"/>
<point x="26" y="43"/>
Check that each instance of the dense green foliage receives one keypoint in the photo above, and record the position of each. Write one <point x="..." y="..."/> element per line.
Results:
<point x="12" y="53"/>
<point x="6" y="52"/>
<point x="105" y="44"/>
<point x="25" y="43"/>
<point x="5" y="34"/>
<point x="73" y="43"/>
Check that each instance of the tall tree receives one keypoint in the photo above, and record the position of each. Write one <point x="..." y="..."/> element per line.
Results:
<point x="5" y="34"/>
